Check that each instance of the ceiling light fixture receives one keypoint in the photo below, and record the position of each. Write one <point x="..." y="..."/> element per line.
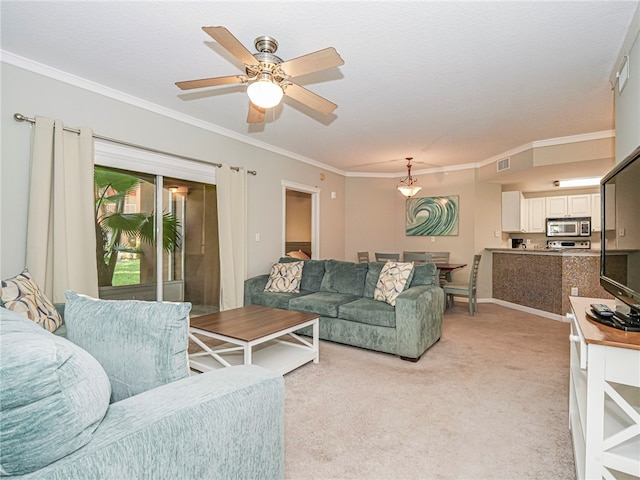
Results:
<point x="578" y="182"/>
<point x="407" y="185"/>
<point x="264" y="92"/>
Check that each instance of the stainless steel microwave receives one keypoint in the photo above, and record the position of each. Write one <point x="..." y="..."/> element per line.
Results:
<point x="569" y="227"/>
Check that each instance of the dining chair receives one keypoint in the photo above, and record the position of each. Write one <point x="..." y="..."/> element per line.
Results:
<point x="363" y="257"/>
<point x="468" y="290"/>
<point x="442" y="257"/>
<point x="384" y="257"/>
<point x="416" y="257"/>
<point x="439" y="257"/>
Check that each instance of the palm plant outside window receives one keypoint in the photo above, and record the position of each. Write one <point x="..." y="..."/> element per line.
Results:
<point x="126" y="217"/>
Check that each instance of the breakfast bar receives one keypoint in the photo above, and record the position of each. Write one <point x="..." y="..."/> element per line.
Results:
<point x="543" y="279"/>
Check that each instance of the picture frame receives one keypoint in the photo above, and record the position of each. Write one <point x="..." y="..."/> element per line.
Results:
<point x="432" y="216"/>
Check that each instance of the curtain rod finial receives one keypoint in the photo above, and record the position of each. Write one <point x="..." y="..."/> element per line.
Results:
<point x="18" y="117"/>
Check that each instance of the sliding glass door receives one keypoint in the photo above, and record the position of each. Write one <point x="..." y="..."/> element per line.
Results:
<point x="133" y="211"/>
<point x="194" y="263"/>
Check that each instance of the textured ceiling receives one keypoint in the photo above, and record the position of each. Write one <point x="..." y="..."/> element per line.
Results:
<point x="447" y="83"/>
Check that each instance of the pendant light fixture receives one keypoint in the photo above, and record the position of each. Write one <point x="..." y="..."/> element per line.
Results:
<point x="408" y="185"/>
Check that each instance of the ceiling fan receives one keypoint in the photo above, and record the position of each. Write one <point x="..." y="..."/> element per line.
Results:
<point x="268" y="76"/>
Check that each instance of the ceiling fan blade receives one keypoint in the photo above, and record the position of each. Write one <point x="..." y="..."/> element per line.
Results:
<point x="312" y="62"/>
<point x="210" y="82"/>
<point x="256" y="114"/>
<point x="232" y="44"/>
<point x="309" y="98"/>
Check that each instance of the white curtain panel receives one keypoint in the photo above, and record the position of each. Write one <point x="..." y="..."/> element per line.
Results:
<point x="61" y="239"/>
<point x="231" y="189"/>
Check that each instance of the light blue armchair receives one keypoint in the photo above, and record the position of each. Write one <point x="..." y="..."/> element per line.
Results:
<point x="57" y="421"/>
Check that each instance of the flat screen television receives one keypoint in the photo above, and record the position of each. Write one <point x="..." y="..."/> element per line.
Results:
<point x="620" y="249"/>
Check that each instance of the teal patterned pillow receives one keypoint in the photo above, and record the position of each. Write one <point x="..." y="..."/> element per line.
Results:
<point x="22" y="295"/>
<point x="393" y="279"/>
<point x="285" y="277"/>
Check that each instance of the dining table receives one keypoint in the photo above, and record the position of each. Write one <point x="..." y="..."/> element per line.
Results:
<point x="447" y="268"/>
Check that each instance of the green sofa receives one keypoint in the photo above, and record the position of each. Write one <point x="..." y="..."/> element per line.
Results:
<point x="342" y="294"/>
<point x="59" y="418"/>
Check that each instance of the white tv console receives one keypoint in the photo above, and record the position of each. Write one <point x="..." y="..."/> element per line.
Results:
<point x="604" y="396"/>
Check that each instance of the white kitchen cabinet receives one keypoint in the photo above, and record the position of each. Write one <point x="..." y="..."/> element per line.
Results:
<point x="579" y="205"/>
<point x="568" y="206"/>
<point x="514" y="212"/>
<point x="537" y="215"/>
<point x="604" y="397"/>
<point x="556" y="206"/>
<point x="596" y="207"/>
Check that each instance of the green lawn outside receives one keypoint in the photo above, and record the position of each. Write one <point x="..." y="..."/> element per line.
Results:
<point x="127" y="273"/>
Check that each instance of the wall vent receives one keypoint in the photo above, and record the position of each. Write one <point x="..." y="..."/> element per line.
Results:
<point x="503" y="164"/>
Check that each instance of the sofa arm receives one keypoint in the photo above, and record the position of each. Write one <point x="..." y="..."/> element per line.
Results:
<point x="227" y="423"/>
<point x="419" y="313"/>
<point x="254" y="285"/>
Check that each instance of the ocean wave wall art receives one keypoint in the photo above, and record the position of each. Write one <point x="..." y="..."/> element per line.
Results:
<point x="432" y="216"/>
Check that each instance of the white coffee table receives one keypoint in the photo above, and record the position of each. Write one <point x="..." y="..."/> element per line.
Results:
<point x="254" y="335"/>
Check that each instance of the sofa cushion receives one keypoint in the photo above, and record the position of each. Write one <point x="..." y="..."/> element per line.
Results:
<point x="141" y="345"/>
<point x="423" y="274"/>
<point x="394" y="277"/>
<point x="323" y="303"/>
<point x="344" y="277"/>
<point x="371" y="280"/>
<point x="285" y="277"/>
<point x="369" y="311"/>
<point x="53" y="396"/>
<point x="312" y="273"/>
<point x="275" y="299"/>
<point x="22" y="295"/>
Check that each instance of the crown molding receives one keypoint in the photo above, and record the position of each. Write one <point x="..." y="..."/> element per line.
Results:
<point x="53" y="73"/>
<point x="584" y="137"/>
<point x="50" y="72"/>
<point x="549" y="142"/>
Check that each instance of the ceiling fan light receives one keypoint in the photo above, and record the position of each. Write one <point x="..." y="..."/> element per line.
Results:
<point x="264" y="93"/>
<point x="409" y="190"/>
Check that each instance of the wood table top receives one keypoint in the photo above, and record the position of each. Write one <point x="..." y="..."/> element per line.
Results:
<point x="251" y="322"/>
<point x="598" y="333"/>
<point x="450" y="266"/>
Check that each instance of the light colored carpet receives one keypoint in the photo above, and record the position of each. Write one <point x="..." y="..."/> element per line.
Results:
<point x="488" y="401"/>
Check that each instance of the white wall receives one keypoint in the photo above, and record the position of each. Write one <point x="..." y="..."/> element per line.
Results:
<point x="33" y="94"/>
<point x="627" y="102"/>
<point x="375" y="220"/>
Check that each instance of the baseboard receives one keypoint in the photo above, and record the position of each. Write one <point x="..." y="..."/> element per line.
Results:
<point x="515" y="306"/>
<point x="533" y="311"/>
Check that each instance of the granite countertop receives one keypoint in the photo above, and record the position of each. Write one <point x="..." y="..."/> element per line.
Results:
<point x="545" y="251"/>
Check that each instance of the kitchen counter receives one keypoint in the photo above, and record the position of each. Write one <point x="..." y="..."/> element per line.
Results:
<point x="543" y="279"/>
<point x="545" y="251"/>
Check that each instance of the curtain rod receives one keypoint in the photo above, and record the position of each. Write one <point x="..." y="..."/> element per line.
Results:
<point x="18" y="117"/>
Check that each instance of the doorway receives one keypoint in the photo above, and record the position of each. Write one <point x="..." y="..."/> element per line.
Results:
<point x="300" y="223"/>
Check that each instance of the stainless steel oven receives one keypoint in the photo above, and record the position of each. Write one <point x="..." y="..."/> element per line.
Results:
<point x="569" y="227"/>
